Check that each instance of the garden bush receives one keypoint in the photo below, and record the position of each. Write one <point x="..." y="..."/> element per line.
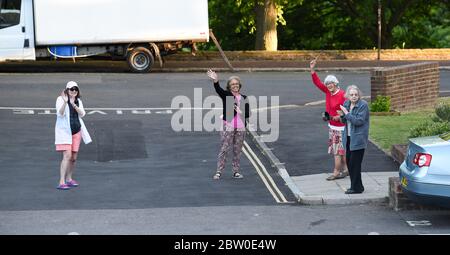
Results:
<point x="429" y="128"/>
<point x="443" y="112"/>
<point x="438" y="124"/>
<point x="381" y="104"/>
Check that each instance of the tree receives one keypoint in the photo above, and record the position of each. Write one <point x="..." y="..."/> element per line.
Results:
<point x="266" y="25"/>
<point x="348" y="24"/>
<point x="328" y="24"/>
<point x="393" y="12"/>
<point x="257" y="18"/>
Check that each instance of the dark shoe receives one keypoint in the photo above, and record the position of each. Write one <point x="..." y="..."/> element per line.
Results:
<point x="350" y="191"/>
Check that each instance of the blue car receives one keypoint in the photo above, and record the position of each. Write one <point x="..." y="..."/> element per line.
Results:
<point x="425" y="173"/>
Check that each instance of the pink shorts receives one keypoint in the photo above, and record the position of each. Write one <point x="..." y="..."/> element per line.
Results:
<point x="75" y="146"/>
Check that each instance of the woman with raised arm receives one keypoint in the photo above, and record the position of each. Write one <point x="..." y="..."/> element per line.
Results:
<point x="334" y="97"/>
<point x="236" y="112"/>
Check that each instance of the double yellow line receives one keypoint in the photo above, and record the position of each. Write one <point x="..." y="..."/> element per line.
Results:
<point x="264" y="174"/>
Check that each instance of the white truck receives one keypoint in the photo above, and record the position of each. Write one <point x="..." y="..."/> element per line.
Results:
<point x="137" y="30"/>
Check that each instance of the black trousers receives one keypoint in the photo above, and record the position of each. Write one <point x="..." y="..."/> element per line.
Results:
<point x="354" y="160"/>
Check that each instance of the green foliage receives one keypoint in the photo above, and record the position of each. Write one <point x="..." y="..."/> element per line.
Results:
<point x="424" y="26"/>
<point x="429" y="128"/>
<point x="443" y="112"/>
<point x="439" y="123"/>
<point x="334" y="24"/>
<point x="381" y="104"/>
<point x="231" y="22"/>
<point x="234" y="22"/>
<point x="446" y="136"/>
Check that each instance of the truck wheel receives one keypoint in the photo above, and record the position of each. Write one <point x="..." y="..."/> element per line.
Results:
<point x="140" y="60"/>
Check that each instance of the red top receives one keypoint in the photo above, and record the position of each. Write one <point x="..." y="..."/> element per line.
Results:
<point x="332" y="102"/>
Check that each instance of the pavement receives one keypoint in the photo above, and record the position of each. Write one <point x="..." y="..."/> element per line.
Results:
<point x="315" y="190"/>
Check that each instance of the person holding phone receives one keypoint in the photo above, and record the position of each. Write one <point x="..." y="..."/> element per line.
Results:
<point x="334" y="97"/>
<point x="236" y="111"/>
<point x="69" y="130"/>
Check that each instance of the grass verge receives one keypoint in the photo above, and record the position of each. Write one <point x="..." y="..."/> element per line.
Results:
<point x="386" y="131"/>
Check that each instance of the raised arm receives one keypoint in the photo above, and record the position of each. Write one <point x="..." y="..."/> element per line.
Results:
<point x="215" y="79"/>
<point x="315" y="78"/>
<point x="61" y="103"/>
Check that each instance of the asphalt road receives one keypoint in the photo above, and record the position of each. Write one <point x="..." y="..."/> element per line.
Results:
<point x="141" y="177"/>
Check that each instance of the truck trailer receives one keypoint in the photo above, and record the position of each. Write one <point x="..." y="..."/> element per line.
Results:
<point x="137" y="31"/>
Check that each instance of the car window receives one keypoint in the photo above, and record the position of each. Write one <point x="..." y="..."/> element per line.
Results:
<point x="9" y="13"/>
<point x="445" y="136"/>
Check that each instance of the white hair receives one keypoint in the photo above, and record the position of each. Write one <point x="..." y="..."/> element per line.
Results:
<point x="331" y="79"/>
<point x="353" y="87"/>
<point x="234" y="78"/>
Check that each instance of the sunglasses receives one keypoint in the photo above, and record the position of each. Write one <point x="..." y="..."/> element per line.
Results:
<point x="73" y="89"/>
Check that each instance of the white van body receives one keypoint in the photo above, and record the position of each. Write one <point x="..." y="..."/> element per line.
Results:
<point x="28" y="28"/>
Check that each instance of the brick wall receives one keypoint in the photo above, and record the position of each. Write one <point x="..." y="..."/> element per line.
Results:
<point x="307" y="55"/>
<point x="409" y="86"/>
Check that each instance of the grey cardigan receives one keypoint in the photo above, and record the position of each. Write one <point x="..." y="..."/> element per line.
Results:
<point x="359" y="123"/>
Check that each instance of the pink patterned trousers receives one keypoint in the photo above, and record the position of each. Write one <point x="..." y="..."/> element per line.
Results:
<point x="230" y="139"/>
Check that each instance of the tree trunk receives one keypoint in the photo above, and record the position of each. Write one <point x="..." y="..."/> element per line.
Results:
<point x="266" y="25"/>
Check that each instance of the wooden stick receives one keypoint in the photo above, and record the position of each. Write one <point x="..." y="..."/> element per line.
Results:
<point x="211" y="34"/>
<point x="320" y="54"/>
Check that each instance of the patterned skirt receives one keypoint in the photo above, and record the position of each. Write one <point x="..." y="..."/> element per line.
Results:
<point x="335" y="145"/>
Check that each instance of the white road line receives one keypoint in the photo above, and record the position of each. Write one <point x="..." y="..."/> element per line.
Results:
<point x="169" y="108"/>
<point x="276" y="107"/>
<point x="112" y="109"/>
<point x="315" y="103"/>
<point x="267" y="173"/>
<point x="261" y="175"/>
<point x="323" y="101"/>
<point x="414" y="223"/>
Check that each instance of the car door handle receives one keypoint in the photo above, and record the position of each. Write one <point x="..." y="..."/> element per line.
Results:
<point x="23" y="29"/>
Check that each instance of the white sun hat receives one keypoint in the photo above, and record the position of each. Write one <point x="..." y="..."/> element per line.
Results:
<point x="71" y="84"/>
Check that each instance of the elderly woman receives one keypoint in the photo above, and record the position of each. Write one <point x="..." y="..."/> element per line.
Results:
<point x="355" y="115"/>
<point x="69" y="130"/>
<point x="236" y="112"/>
<point x="334" y="98"/>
